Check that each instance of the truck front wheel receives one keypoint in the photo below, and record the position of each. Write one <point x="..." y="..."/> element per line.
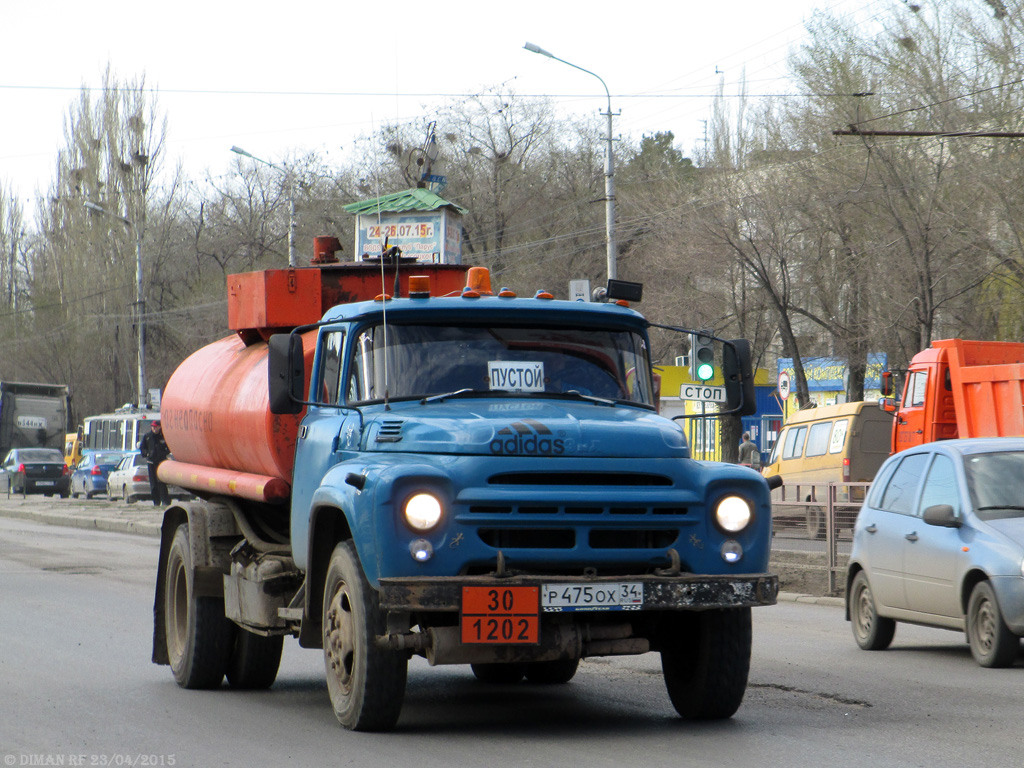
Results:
<point x="705" y="657"/>
<point x="366" y="683"/>
<point x="199" y="637"/>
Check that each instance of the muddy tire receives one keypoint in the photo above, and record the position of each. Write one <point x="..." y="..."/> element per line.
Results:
<point x="199" y="637"/>
<point x="552" y="672"/>
<point x="498" y="674"/>
<point x="992" y="643"/>
<point x="705" y="657"/>
<point x="366" y="683"/>
<point x="871" y="631"/>
<point x="255" y="660"/>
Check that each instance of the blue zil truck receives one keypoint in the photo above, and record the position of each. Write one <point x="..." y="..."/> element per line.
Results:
<point x="450" y="472"/>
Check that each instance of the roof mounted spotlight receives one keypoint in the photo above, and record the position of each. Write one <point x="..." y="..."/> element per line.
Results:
<point x="625" y="290"/>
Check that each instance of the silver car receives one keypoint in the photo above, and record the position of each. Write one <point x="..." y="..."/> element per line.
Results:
<point x="940" y="542"/>
<point x="130" y="481"/>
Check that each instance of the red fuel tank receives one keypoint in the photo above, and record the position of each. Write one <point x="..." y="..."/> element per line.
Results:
<point x="215" y="410"/>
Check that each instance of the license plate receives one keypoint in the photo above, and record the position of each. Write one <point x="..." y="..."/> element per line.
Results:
<point x="46" y="482"/>
<point x="500" y="615"/>
<point x="623" y="596"/>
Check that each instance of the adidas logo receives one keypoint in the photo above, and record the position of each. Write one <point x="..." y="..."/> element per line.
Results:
<point x="527" y="437"/>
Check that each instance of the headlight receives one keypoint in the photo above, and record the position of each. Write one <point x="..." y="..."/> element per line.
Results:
<point x="422" y="511"/>
<point x="733" y="514"/>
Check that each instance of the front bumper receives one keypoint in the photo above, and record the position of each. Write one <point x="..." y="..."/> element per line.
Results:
<point x="686" y="592"/>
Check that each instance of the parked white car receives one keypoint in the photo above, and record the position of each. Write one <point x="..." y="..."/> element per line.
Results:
<point x="130" y="481"/>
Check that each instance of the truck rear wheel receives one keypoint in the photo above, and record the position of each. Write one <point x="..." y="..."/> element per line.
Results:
<point x="199" y="637"/>
<point x="552" y="672"/>
<point x="498" y="674"/>
<point x="705" y="657"/>
<point x="254" y="660"/>
<point x="366" y="683"/>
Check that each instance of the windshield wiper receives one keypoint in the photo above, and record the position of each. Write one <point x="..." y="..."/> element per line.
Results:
<point x="1000" y="506"/>
<point x="591" y="398"/>
<point x="456" y="393"/>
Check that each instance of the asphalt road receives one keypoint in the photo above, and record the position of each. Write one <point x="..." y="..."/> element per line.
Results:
<point x="76" y="683"/>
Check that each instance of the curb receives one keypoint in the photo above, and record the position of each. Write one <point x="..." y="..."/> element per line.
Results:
<point x="796" y="597"/>
<point x="107" y="524"/>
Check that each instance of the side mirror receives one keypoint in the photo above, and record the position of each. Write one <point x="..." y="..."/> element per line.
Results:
<point x="942" y="515"/>
<point x="738" y="373"/>
<point x="886" y="385"/>
<point x="285" y="374"/>
<point x="887" y="404"/>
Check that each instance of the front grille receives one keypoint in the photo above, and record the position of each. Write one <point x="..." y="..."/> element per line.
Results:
<point x="528" y="538"/>
<point x="568" y="509"/>
<point x="586" y="479"/>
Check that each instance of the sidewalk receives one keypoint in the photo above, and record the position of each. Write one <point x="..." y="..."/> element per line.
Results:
<point x="143" y="519"/>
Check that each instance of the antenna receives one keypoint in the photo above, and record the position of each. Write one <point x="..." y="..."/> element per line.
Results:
<point x="383" y="287"/>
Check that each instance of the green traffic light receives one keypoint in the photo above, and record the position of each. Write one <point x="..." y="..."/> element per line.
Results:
<point x="705" y="371"/>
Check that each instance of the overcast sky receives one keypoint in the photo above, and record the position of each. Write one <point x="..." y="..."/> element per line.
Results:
<point x="287" y="77"/>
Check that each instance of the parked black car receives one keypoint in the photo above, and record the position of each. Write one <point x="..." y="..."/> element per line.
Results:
<point x="35" y="470"/>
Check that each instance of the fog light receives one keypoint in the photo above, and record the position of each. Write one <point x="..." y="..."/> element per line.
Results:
<point x="421" y="550"/>
<point x="732" y="551"/>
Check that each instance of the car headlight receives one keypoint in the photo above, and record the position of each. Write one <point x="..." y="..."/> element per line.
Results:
<point x="733" y="514"/>
<point x="422" y="511"/>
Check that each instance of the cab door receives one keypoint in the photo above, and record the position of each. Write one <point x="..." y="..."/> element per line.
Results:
<point x="910" y="419"/>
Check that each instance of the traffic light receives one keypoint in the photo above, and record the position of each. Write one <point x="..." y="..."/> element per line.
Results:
<point x="702" y="357"/>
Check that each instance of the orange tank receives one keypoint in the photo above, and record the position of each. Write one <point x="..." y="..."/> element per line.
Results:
<point x="215" y="410"/>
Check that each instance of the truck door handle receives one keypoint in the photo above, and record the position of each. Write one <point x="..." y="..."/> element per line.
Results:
<point x="911" y="536"/>
<point x="872" y="528"/>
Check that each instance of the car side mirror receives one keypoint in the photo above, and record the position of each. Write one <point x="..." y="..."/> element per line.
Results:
<point x="887" y="404"/>
<point x="942" y="515"/>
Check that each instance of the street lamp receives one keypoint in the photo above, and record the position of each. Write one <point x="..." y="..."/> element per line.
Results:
<point x="140" y="301"/>
<point x="293" y="260"/>
<point x="609" y="163"/>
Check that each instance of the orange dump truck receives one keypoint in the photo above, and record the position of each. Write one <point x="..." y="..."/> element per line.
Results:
<point x="959" y="388"/>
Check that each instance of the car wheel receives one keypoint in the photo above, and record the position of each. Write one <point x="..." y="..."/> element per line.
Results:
<point x="129" y="498"/>
<point x="992" y="642"/>
<point x="815" y="522"/>
<point x="871" y="631"/>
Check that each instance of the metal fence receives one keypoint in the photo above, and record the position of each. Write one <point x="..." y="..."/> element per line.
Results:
<point x="823" y="512"/>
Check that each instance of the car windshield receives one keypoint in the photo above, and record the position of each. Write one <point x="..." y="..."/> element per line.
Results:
<point x="40" y="455"/>
<point x="107" y="458"/>
<point x="416" y="361"/>
<point x="996" y="483"/>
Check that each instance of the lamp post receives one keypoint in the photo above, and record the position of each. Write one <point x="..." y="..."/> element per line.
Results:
<point x="293" y="261"/>
<point x="140" y="301"/>
<point x="609" y="163"/>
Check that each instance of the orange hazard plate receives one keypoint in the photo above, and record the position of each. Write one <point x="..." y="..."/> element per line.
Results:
<point x="503" y="615"/>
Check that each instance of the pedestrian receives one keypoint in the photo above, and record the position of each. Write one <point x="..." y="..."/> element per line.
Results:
<point x="749" y="452"/>
<point x="154" y="449"/>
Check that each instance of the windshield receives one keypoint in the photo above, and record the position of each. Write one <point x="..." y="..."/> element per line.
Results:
<point x="40" y="455"/>
<point x="996" y="483"/>
<point x="423" y="360"/>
